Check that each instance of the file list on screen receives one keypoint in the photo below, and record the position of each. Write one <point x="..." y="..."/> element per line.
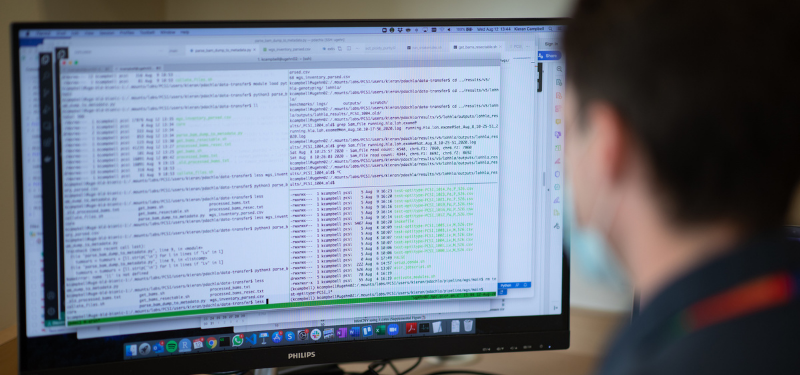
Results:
<point x="244" y="180"/>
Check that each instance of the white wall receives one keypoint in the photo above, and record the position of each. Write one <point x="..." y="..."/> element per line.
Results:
<point x="361" y="9"/>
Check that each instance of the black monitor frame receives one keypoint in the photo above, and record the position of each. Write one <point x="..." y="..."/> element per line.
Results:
<point x="543" y="332"/>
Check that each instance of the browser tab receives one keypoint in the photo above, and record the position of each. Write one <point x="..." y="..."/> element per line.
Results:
<point x="222" y="49"/>
<point x="478" y="46"/>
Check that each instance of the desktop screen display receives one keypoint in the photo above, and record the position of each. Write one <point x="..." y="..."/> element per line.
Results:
<point x="217" y="188"/>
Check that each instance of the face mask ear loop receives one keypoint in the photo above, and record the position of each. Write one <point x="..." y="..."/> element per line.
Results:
<point x="598" y="257"/>
<point x="602" y="219"/>
<point x="602" y="216"/>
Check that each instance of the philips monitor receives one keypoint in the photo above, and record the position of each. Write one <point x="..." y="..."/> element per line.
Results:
<point x="199" y="197"/>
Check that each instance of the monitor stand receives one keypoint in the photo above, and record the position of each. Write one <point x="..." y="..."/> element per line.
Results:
<point x="327" y="369"/>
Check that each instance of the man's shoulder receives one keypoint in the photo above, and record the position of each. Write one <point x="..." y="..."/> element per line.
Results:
<point x="764" y="342"/>
<point x="734" y="315"/>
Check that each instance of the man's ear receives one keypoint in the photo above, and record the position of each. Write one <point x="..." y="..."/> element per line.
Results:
<point x="611" y="143"/>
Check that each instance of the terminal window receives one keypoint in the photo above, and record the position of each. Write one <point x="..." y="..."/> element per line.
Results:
<point x="248" y="180"/>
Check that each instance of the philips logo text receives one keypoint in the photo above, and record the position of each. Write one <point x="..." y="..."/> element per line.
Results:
<point x="301" y="355"/>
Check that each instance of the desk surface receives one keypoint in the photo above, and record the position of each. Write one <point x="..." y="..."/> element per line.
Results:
<point x="590" y="332"/>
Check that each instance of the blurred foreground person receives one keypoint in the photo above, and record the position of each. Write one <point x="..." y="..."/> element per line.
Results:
<point x="683" y="151"/>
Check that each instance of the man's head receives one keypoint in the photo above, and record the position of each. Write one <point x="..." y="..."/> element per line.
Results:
<point x="696" y="101"/>
<point x="683" y="126"/>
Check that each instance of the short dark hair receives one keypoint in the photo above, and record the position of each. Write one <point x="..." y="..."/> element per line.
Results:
<point x="709" y="89"/>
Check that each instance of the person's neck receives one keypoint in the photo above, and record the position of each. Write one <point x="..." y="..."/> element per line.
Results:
<point x="656" y="252"/>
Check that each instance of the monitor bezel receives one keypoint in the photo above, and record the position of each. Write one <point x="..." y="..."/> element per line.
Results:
<point x="539" y="332"/>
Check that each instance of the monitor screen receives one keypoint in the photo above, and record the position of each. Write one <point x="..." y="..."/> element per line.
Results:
<point x="259" y="194"/>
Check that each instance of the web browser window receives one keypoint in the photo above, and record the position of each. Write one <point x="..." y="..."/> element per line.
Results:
<point x="289" y="180"/>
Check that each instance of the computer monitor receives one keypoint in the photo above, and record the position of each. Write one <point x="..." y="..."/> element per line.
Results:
<point x="199" y="197"/>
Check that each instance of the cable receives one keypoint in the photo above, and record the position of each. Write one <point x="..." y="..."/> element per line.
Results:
<point x="328" y="368"/>
<point x="375" y="368"/>
<point x="372" y="368"/>
<point x="393" y="367"/>
<point x="419" y="360"/>
<point x="378" y="366"/>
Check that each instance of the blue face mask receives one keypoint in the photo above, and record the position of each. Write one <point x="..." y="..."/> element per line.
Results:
<point x="592" y="253"/>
